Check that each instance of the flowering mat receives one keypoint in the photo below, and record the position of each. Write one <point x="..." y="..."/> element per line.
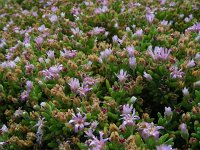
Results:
<point x="99" y="74"/>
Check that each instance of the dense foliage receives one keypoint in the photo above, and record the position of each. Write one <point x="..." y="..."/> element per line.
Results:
<point x="100" y="74"/>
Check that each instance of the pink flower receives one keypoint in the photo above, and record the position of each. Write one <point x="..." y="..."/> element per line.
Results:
<point x="29" y="85"/>
<point x="53" y="18"/>
<point x="89" y="81"/>
<point x="75" y="11"/>
<point x="97" y="30"/>
<point x="41" y="60"/>
<point x="191" y="63"/>
<point x="94" y="125"/>
<point x="103" y="2"/>
<point x="39" y="133"/>
<point x="130" y="50"/>
<point x="98" y="144"/>
<point x="132" y="62"/>
<point x="122" y="76"/>
<point x="164" y="147"/>
<point x="183" y="128"/>
<point x="89" y="133"/>
<point x="50" y="54"/>
<point x="52" y="72"/>
<point x="164" y="22"/>
<point x="100" y="10"/>
<point x="8" y="64"/>
<point x="197" y="56"/>
<point x="34" y="13"/>
<point x="105" y="54"/>
<point x="149" y="17"/>
<point x="127" y="109"/>
<point x="162" y="2"/>
<point x="39" y="40"/>
<point x="78" y="121"/>
<point x="42" y="28"/>
<point x="128" y="29"/>
<point x="139" y="32"/>
<point x="74" y="84"/>
<point x="68" y="53"/>
<point x="159" y="53"/>
<point x="76" y="31"/>
<point x="129" y="119"/>
<point x="89" y="3"/>
<point x="176" y="73"/>
<point x="54" y="9"/>
<point x="4" y="128"/>
<point x="9" y="56"/>
<point x="26" y="40"/>
<point x="149" y="130"/>
<point x="172" y="4"/>
<point x="194" y="28"/>
<point x="24" y="95"/>
<point x="116" y="39"/>
<point x="186" y="19"/>
<point x="2" y="42"/>
<point x="83" y="90"/>
<point x="18" y="112"/>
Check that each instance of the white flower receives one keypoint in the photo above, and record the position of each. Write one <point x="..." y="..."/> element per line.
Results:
<point x="197" y="56"/>
<point x="18" y="112"/>
<point x="43" y="104"/>
<point x="53" y="18"/>
<point x="197" y="84"/>
<point x="62" y="14"/>
<point x="133" y="99"/>
<point x="147" y="76"/>
<point x="191" y="64"/>
<point x="122" y="76"/>
<point x="4" y="128"/>
<point x="185" y="91"/>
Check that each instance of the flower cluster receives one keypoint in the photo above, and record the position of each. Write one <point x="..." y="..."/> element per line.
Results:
<point x="149" y="130"/>
<point x="99" y="74"/>
<point x="128" y="116"/>
<point x="52" y="72"/>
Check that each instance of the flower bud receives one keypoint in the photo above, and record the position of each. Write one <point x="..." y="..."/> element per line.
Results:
<point x="114" y="136"/>
<point x="133" y="99"/>
<point x="184" y="131"/>
<point x="185" y="91"/>
<point x="113" y="127"/>
<point x="1" y="88"/>
<point x="168" y="111"/>
<point x="186" y="117"/>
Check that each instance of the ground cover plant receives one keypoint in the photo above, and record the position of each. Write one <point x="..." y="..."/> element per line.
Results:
<point x="99" y="74"/>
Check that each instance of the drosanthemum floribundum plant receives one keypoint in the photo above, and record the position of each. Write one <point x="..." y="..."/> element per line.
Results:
<point x="99" y="56"/>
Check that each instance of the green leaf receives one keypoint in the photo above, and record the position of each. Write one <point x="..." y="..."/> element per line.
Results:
<point x="113" y="116"/>
<point x="108" y="85"/>
<point x="53" y="145"/>
<point x="197" y="94"/>
<point x="169" y="142"/>
<point x="44" y="114"/>
<point x="82" y="146"/>
<point x="108" y="98"/>
<point x="150" y="142"/>
<point x="47" y="137"/>
<point x="163" y="138"/>
<point x="139" y="140"/>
